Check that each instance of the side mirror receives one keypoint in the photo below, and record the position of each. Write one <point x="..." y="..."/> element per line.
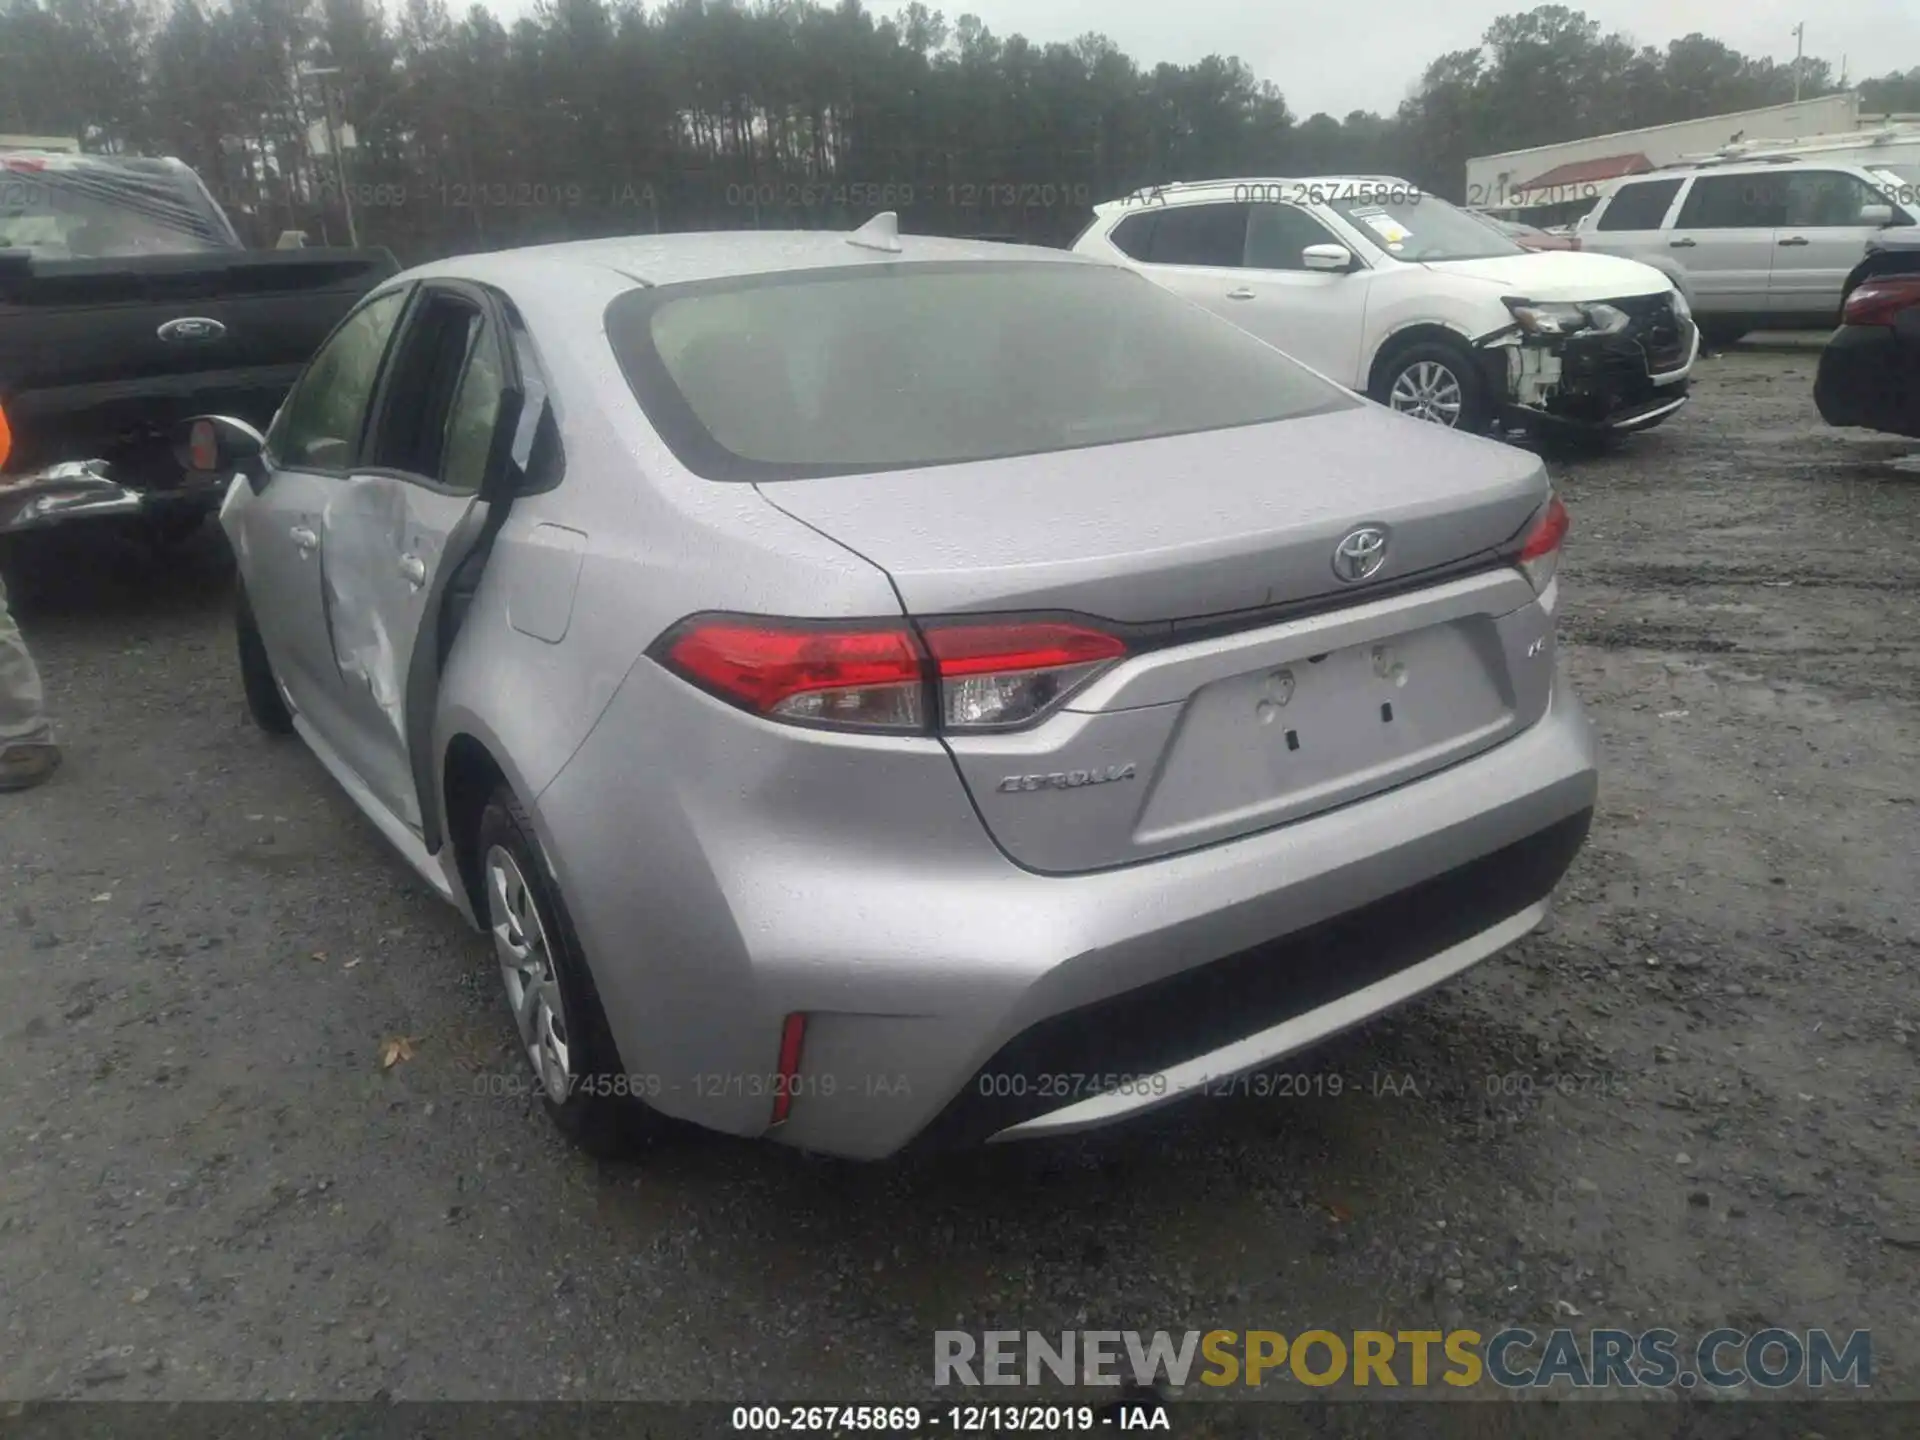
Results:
<point x="1327" y="257"/>
<point x="220" y="444"/>
<point x="1881" y="215"/>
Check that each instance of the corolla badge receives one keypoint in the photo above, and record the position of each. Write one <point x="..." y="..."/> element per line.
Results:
<point x="191" y="330"/>
<point x="1068" y="779"/>
<point x="1360" y="554"/>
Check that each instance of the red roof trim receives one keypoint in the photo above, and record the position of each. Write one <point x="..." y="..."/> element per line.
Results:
<point x="1609" y="167"/>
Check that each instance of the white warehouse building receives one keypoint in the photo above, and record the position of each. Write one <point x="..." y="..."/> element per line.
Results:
<point x="1552" y="184"/>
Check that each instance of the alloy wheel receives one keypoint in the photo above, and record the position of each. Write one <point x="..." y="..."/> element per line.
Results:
<point x="1428" y="390"/>
<point x="526" y="967"/>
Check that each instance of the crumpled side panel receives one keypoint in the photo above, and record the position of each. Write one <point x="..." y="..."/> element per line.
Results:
<point x="365" y="529"/>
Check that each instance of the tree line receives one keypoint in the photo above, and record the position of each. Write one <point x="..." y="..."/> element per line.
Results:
<point x="605" y="117"/>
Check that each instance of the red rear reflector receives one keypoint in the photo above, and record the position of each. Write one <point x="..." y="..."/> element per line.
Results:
<point x="792" y="1035"/>
<point x="1548" y="532"/>
<point x="6" y="438"/>
<point x="1879" y="300"/>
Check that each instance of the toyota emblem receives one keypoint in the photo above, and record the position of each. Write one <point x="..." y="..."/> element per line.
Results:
<point x="1360" y="555"/>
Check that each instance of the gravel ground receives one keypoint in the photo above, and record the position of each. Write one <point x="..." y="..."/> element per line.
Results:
<point x="1689" y="1101"/>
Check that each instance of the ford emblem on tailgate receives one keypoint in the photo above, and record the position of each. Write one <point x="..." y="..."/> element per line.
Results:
<point x="191" y="330"/>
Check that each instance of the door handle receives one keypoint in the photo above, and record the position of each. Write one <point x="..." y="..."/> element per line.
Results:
<point x="1681" y="244"/>
<point x="304" y="537"/>
<point x="413" y="569"/>
<point x="1241" y="294"/>
<point x="1796" y="240"/>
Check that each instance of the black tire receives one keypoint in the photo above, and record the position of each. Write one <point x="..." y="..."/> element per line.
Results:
<point x="1722" y="334"/>
<point x="602" y="1113"/>
<point x="1476" y="409"/>
<point x="264" y="704"/>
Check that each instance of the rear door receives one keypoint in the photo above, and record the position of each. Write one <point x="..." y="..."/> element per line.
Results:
<point x="1631" y="223"/>
<point x="1725" y="235"/>
<point x="392" y="529"/>
<point x="1196" y="251"/>
<point x="1821" y="238"/>
<point x="277" y="534"/>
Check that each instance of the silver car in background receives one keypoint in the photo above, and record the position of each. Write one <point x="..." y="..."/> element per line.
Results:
<point x="881" y="689"/>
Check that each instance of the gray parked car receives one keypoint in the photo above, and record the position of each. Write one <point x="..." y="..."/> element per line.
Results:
<point x="877" y="689"/>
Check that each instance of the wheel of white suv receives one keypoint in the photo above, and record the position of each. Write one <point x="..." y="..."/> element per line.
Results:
<point x="1436" y="382"/>
<point x="558" y="1021"/>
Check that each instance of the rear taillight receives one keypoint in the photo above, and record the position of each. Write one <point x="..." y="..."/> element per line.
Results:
<point x="6" y="438"/>
<point x="1878" y="301"/>
<point x="863" y="678"/>
<point x="995" y="676"/>
<point x="885" y="676"/>
<point x="1539" y="554"/>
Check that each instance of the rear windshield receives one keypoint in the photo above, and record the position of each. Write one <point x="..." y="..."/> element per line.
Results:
<point x="890" y="367"/>
<point x="72" y="208"/>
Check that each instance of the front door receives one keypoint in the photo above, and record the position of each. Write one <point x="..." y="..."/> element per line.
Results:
<point x="1821" y="239"/>
<point x="277" y="534"/>
<point x="1724" y="236"/>
<point x="1316" y="316"/>
<point x="392" y="526"/>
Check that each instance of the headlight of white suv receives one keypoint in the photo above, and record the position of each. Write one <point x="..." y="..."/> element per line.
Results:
<point x="1565" y="317"/>
<point x="1680" y="305"/>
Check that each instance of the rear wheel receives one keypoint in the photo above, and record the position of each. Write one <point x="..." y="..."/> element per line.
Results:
<point x="558" y="1020"/>
<point x="1437" y="382"/>
<point x="264" y="703"/>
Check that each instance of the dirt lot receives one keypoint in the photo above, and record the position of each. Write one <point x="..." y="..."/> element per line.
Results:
<point x="1690" y="1101"/>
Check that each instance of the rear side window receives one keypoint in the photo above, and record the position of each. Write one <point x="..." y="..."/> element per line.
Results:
<point x="1200" y="235"/>
<point x="1134" y="236"/>
<point x="902" y="366"/>
<point x="1733" y="202"/>
<point x="1640" y="206"/>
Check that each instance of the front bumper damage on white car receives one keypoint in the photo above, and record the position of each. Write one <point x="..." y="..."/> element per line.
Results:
<point x="1613" y="366"/>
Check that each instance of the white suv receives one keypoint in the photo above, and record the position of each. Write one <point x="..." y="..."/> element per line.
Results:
<point x="1754" y="244"/>
<point x="1398" y="295"/>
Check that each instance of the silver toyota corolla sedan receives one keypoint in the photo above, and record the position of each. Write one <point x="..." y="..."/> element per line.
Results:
<point x="878" y="689"/>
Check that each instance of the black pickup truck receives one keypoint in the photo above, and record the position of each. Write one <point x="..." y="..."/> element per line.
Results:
<point x="127" y="304"/>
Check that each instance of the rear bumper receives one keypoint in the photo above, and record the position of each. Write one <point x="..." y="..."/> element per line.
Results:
<point x="1869" y="376"/>
<point x="86" y="490"/>
<point x="934" y="971"/>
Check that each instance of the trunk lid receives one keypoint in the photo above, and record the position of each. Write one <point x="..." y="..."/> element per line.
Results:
<point x="1261" y="687"/>
<point x="1177" y="528"/>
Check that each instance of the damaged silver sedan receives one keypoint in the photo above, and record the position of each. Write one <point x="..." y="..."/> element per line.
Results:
<point x="878" y="690"/>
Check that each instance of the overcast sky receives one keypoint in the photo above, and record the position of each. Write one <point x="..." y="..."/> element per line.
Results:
<point x="1337" y="56"/>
